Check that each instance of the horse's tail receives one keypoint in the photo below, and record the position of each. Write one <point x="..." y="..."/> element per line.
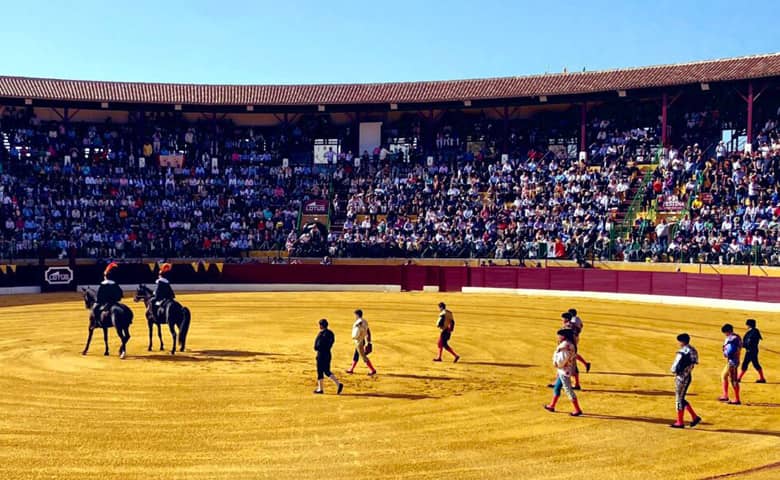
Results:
<point x="185" y="325"/>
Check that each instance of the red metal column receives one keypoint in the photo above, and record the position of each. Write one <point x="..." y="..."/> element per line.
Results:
<point x="750" y="114"/>
<point x="583" y="119"/>
<point x="664" y="128"/>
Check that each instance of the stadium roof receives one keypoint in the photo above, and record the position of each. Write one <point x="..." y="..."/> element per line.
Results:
<point x="743" y="68"/>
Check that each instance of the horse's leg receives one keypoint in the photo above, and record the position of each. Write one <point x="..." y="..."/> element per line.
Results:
<point x="125" y="336"/>
<point x="151" y="328"/>
<point x="120" y="334"/>
<point x="159" y="334"/>
<point x="184" y="329"/>
<point x="105" y="340"/>
<point x="89" y="340"/>
<point x="173" y="334"/>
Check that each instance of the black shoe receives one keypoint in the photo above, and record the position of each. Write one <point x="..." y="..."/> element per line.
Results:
<point x="457" y="357"/>
<point x="761" y="380"/>
<point x="677" y="425"/>
<point x="341" y="387"/>
<point x="549" y="408"/>
<point x="587" y="367"/>
<point x="437" y="359"/>
<point x="576" y="388"/>
<point x="576" y="414"/>
<point x="695" y="421"/>
<point x="319" y="392"/>
<point x="550" y="385"/>
<point x="735" y="402"/>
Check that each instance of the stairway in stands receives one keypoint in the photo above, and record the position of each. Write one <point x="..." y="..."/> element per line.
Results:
<point x="620" y="215"/>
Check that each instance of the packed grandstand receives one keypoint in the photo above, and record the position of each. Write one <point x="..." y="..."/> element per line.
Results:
<point x="676" y="163"/>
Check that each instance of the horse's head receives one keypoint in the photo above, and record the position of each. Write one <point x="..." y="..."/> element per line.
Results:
<point x="89" y="297"/>
<point x="142" y="293"/>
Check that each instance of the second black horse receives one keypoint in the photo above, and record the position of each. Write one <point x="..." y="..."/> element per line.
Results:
<point x="168" y="312"/>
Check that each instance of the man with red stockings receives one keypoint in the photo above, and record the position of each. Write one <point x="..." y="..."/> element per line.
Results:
<point x="752" y="339"/>
<point x="446" y="324"/>
<point x="732" y="346"/>
<point x="361" y="336"/>
<point x="687" y="357"/>
<point x="564" y="360"/>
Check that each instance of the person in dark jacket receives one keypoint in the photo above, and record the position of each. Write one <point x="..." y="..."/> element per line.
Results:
<point x="322" y="345"/>
<point x="164" y="291"/>
<point x="109" y="292"/>
<point x="750" y="343"/>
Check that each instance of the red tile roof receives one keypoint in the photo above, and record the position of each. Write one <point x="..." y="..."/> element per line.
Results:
<point x="759" y="66"/>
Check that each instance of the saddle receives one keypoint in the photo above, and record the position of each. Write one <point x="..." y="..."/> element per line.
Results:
<point x="160" y="308"/>
<point x="106" y="319"/>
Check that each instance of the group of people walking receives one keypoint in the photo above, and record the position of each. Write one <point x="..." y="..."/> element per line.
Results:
<point x="687" y="358"/>
<point x="361" y="338"/>
<point x="566" y="358"/>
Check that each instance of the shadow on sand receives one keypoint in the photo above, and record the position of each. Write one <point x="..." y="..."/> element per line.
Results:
<point x="646" y="393"/>
<point x="417" y="377"/>
<point x="233" y="353"/>
<point x="667" y="421"/>
<point x="633" y="374"/>
<point x="499" y="364"/>
<point x="205" y="356"/>
<point x="396" y="396"/>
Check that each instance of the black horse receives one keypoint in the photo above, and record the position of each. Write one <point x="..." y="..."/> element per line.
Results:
<point x="119" y="317"/>
<point x="170" y="312"/>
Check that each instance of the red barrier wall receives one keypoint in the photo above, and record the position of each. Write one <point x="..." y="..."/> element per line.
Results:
<point x="453" y="279"/>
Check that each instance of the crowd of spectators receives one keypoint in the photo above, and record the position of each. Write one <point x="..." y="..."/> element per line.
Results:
<point x="480" y="205"/>
<point x="99" y="190"/>
<point x="734" y="207"/>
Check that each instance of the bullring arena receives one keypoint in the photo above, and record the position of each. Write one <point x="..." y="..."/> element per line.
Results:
<point x="238" y="402"/>
<point x="647" y="198"/>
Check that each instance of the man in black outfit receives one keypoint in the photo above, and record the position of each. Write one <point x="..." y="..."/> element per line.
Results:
<point x="109" y="293"/>
<point x="322" y="344"/>
<point x="163" y="292"/>
<point x="750" y="343"/>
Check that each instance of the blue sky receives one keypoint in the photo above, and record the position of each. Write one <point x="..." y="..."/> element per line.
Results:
<point x="289" y="41"/>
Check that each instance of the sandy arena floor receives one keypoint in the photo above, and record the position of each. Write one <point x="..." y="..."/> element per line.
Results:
<point x="239" y="404"/>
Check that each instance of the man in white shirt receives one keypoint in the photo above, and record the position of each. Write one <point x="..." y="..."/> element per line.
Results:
<point x="361" y="336"/>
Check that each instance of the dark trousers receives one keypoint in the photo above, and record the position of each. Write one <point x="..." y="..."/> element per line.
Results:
<point x="323" y="366"/>
<point x="444" y="338"/>
<point x="751" y="356"/>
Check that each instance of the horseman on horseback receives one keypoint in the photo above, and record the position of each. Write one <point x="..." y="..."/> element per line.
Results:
<point x="108" y="295"/>
<point x="106" y="311"/>
<point x="163" y="293"/>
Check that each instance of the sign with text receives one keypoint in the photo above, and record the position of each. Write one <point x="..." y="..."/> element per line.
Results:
<point x="672" y="204"/>
<point x="315" y="207"/>
<point x="58" y="279"/>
